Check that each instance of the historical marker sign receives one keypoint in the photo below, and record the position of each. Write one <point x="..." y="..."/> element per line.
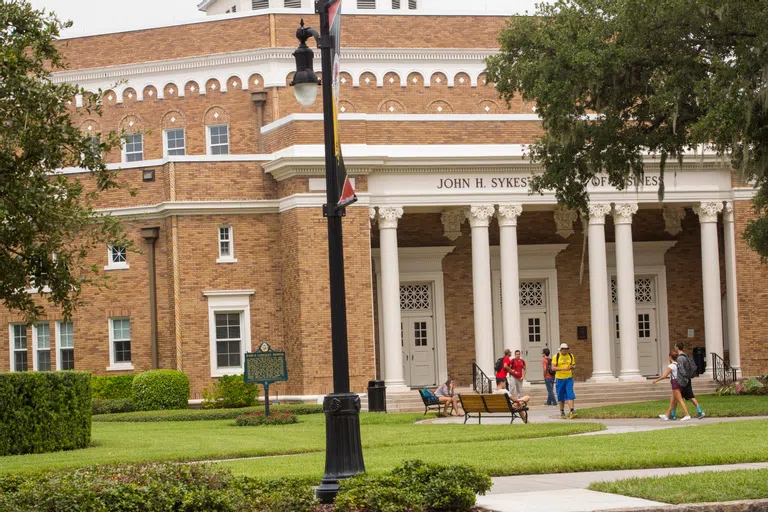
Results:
<point x="266" y="366"/>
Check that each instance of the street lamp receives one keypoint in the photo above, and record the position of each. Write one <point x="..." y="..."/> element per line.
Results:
<point x="343" y="449"/>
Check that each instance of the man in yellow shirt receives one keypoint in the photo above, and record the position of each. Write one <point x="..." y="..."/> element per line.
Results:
<point x="563" y="364"/>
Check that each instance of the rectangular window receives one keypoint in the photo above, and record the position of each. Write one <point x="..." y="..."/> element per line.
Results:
<point x="66" y="345"/>
<point x="43" y="347"/>
<point x="228" y="340"/>
<point x="121" y="341"/>
<point x="218" y="139"/>
<point x="226" y="245"/>
<point x="134" y="147"/>
<point x="174" y="142"/>
<point x="19" y="347"/>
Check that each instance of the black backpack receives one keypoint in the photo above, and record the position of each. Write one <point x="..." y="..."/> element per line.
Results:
<point x="499" y="364"/>
<point x="550" y="371"/>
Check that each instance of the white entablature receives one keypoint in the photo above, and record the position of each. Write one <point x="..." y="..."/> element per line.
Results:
<point x="387" y="7"/>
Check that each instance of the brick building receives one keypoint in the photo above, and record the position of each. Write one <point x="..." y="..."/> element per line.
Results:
<point x="449" y="260"/>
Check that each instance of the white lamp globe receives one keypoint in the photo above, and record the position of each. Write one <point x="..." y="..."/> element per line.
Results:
<point x="306" y="93"/>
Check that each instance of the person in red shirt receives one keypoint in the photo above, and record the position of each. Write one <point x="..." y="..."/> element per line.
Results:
<point x="517" y="371"/>
<point x="506" y="368"/>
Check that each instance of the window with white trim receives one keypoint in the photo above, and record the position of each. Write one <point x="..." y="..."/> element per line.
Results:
<point x="174" y="142"/>
<point x="218" y="139"/>
<point x="226" y="245"/>
<point x="120" y="344"/>
<point x="65" y="344"/>
<point x="229" y="340"/>
<point x="133" y="149"/>
<point x="19" y="348"/>
<point x="117" y="258"/>
<point x="42" y="347"/>
<point x="230" y="332"/>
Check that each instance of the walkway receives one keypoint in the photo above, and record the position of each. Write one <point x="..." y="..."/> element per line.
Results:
<point x="567" y="492"/>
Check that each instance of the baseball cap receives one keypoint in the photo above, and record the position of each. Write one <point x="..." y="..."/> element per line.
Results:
<point x="563" y="345"/>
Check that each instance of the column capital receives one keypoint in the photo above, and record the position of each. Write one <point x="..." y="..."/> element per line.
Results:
<point x="728" y="212"/>
<point x="479" y="216"/>
<point x="707" y="211"/>
<point x="388" y="216"/>
<point x="623" y="212"/>
<point x="597" y="212"/>
<point x="508" y="214"/>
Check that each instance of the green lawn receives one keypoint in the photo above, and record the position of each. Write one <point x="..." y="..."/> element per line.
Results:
<point x="712" y="486"/>
<point x="701" y="444"/>
<point x="713" y="405"/>
<point x="204" y="440"/>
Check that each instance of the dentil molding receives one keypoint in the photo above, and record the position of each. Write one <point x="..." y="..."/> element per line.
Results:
<point x="388" y="216"/>
<point x="707" y="211"/>
<point x="480" y="216"/>
<point x="508" y="214"/>
<point x="623" y="212"/>
<point x="597" y="212"/>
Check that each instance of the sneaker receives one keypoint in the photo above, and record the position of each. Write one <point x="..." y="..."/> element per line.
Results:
<point x="562" y="416"/>
<point x="572" y="415"/>
<point x="700" y="415"/>
<point x="663" y="417"/>
<point x="686" y="418"/>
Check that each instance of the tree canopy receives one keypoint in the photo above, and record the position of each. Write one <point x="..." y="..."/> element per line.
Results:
<point x="47" y="221"/>
<point x="614" y="80"/>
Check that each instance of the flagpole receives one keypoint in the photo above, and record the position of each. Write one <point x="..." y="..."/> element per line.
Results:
<point x="343" y="450"/>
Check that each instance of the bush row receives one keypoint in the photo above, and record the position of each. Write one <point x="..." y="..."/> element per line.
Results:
<point x="147" y="391"/>
<point x="44" y="411"/>
<point x="255" y="419"/>
<point x="749" y="386"/>
<point x="112" y="387"/>
<point x="112" y="405"/>
<point x="230" y="392"/>
<point x="206" y="414"/>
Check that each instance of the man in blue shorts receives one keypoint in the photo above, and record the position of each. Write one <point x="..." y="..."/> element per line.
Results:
<point x="563" y="364"/>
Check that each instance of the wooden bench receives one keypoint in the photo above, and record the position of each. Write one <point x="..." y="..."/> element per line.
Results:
<point x="492" y="404"/>
<point x="433" y="401"/>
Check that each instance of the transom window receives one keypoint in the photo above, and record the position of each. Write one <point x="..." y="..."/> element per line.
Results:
<point x="218" y="139"/>
<point x="228" y="340"/>
<point x="174" y="142"/>
<point x="420" y="334"/>
<point x="415" y="297"/>
<point x="643" y="291"/>
<point x="43" y="347"/>
<point x="532" y="294"/>
<point x="19" y="335"/>
<point x="66" y="346"/>
<point x="121" y="340"/>
<point x="134" y="147"/>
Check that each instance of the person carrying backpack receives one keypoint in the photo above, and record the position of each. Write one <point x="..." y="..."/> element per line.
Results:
<point x="502" y="368"/>
<point x="563" y="364"/>
<point x="686" y="370"/>
<point x="549" y="377"/>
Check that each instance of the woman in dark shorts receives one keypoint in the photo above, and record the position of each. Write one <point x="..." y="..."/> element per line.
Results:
<point x="677" y="397"/>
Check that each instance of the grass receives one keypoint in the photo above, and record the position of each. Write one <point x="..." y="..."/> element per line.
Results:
<point x="202" y="414"/>
<point x="713" y="405"/>
<point x="717" y="443"/>
<point x="114" y="442"/>
<point x="710" y="486"/>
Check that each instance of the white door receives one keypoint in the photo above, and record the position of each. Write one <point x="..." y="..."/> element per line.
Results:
<point x="647" y="341"/>
<point x="535" y="339"/>
<point x="419" y="353"/>
<point x="646" y="325"/>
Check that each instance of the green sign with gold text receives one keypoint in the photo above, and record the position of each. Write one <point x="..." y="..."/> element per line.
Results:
<point x="265" y="365"/>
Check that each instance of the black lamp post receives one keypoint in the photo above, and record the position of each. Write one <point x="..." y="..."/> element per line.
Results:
<point x="343" y="449"/>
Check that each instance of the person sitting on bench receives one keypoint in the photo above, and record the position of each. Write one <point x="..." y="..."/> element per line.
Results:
<point x="516" y="402"/>
<point x="445" y="394"/>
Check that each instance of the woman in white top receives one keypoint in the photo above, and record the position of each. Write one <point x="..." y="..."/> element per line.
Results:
<point x="677" y="397"/>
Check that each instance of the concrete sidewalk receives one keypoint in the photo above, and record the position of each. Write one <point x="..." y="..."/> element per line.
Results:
<point x="567" y="492"/>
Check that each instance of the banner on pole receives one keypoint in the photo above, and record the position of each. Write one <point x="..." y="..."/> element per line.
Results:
<point x="346" y="190"/>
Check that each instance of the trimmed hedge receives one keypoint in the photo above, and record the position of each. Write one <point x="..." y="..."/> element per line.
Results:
<point x="112" y="406"/>
<point x="230" y="392"/>
<point x="152" y="487"/>
<point x="255" y="419"/>
<point x="205" y="414"/>
<point x="112" y="386"/>
<point x="161" y="389"/>
<point x="44" y="411"/>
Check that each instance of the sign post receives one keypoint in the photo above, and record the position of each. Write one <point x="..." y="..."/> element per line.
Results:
<point x="266" y="366"/>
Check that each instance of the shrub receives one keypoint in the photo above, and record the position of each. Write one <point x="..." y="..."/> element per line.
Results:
<point x="151" y="487"/>
<point x="112" y="406"/>
<point x="750" y="386"/>
<point x="112" y="386"/>
<point x="415" y="486"/>
<point x="231" y="391"/>
<point x="259" y="418"/>
<point x="161" y="389"/>
<point x="207" y="414"/>
<point x="44" y="411"/>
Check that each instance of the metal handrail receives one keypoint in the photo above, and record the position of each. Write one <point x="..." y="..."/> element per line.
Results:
<point x="481" y="383"/>
<point x="722" y="372"/>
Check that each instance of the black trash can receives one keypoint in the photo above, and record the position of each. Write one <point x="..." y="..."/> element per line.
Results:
<point x="377" y="396"/>
<point x="700" y="358"/>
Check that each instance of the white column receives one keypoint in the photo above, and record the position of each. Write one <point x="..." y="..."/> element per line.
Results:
<point x="510" y="275"/>
<point x="390" y="298"/>
<point x="479" y="219"/>
<point x="732" y="296"/>
<point x="625" y="284"/>
<point x="710" y="273"/>
<point x="598" y="294"/>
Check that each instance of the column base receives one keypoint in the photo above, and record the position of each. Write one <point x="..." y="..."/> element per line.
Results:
<point x="602" y="377"/>
<point x="738" y="372"/>
<point x="632" y="375"/>
<point x="396" y="386"/>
